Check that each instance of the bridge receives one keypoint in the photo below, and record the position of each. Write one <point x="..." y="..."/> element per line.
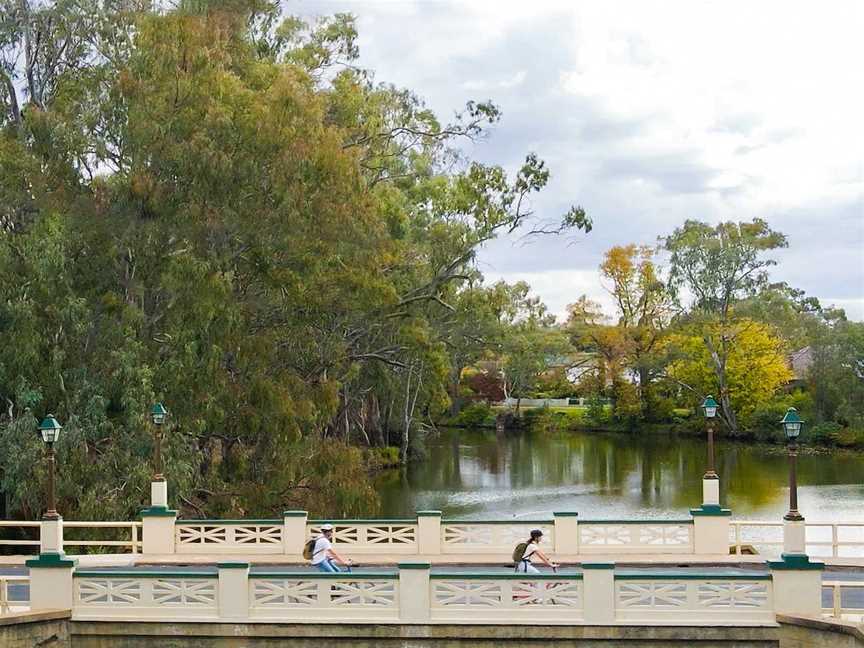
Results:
<point x="435" y="580"/>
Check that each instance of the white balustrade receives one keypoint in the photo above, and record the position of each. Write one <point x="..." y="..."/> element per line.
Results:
<point x="12" y="597"/>
<point x="139" y="595"/>
<point x="613" y="537"/>
<point x="670" y="599"/>
<point x="506" y="598"/>
<point x="319" y="598"/>
<point x="132" y="542"/>
<point x="380" y="597"/>
<point x="229" y="536"/>
<point x="490" y="537"/>
<point x="390" y="537"/>
<point x="823" y="539"/>
<point x="844" y="607"/>
<point x="488" y="540"/>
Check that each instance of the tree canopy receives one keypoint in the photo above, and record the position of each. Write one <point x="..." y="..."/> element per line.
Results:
<point x="214" y="206"/>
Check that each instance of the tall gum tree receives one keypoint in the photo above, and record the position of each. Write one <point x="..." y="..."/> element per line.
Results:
<point x="715" y="267"/>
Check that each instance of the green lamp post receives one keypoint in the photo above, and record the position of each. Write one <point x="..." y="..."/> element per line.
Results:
<point x="792" y="425"/>
<point x="50" y="429"/>
<point x="158" y="413"/>
<point x="709" y="408"/>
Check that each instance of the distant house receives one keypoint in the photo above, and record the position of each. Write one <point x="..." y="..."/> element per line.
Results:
<point x="800" y="362"/>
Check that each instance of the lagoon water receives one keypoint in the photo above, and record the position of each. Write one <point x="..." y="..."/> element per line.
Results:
<point x="477" y="474"/>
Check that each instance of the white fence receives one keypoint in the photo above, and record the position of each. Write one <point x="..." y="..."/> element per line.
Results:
<point x="823" y="539"/>
<point x="13" y="594"/>
<point x="130" y="532"/>
<point x="414" y="594"/>
<point x="845" y="600"/>
<point x="429" y="536"/>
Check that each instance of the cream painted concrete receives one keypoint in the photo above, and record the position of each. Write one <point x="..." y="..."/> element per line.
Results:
<point x="233" y="595"/>
<point x="710" y="535"/>
<point x="159" y="494"/>
<point x="429" y="534"/>
<point x="599" y="603"/>
<point x="158" y="535"/>
<point x="294" y="534"/>
<point x="711" y="492"/>
<point x="798" y="591"/>
<point x="566" y="535"/>
<point x="794" y="537"/>
<point x="414" y="599"/>
<point x="51" y="536"/>
<point x="51" y="588"/>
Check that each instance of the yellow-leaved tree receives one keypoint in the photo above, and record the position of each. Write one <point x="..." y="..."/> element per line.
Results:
<point x="756" y="365"/>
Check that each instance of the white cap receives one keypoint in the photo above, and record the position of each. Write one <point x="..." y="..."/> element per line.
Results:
<point x="326" y="527"/>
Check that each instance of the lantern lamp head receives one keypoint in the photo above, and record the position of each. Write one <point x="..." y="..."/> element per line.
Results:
<point x="50" y="428"/>
<point x="158" y="412"/>
<point x="792" y="424"/>
<point x="709" y="406"/>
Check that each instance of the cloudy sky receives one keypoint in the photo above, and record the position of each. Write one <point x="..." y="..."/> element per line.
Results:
<point x="648" y="113"/>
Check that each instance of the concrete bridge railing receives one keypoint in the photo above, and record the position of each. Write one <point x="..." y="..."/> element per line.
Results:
<point x="599" y="594"/>
<point x="429" y="535"/>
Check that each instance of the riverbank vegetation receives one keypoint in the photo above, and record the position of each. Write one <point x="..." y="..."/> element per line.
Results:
<point x="215" y="207"/>
<point x="708" y="323"/>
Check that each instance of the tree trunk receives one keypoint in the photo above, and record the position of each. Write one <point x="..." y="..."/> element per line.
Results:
<point x="719" y="358"/>
<point x="455" y="405"/>
<point x="645" y="391"/>
<point x="406" y="422"/>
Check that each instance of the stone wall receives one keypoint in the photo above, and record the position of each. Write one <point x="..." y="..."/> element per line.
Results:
<point x="214" y="635"/>
<point x="53" y="630"/>
<point x="798" y="632"/>
<point x="35" y="630"/>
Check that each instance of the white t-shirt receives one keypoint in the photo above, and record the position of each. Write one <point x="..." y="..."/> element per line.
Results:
<point x="319" y="551"/>
<point x="530" y="550"/>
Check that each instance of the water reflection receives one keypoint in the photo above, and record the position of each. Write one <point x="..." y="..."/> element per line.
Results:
<point x="480" y="473"/>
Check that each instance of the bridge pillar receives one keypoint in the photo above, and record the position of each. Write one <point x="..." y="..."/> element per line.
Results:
<point x="51" y="585"/>
<point x="414" y="592"/>
<point x="797" y="585"/>
<point x="711" y="529"/>
<point x="158" y="530"/>
<point x="598" y="592"/>
<point x="429" y="533"/>
<point x="566" y="533"/>
<point x="234" y="590"/>
<point x="294" y="532"/>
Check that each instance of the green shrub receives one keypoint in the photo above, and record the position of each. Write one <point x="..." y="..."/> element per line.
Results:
<point x="597" y="412"/>
<point x="379" y="458"/>
<point x="849" y="437"/>
<point x="546" y="421"/>
<point x="822" y="433"/>
<point x="475" y="415"/>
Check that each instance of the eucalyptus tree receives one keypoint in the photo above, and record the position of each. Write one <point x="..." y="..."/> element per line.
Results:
<point x="715" y="267"/>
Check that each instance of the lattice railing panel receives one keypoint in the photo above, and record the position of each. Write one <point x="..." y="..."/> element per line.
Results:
<point x="145" y="597"/>
<point x="506" y="594"/>
<point x="466" y="537"/>
<point x="228" y="538"/>
<point x="694" y="600"/>
<point x="372" y="538"/>
<point x="635" y="538"/>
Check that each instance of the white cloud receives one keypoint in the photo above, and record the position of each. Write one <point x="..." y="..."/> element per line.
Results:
<point x="649" y="112"/>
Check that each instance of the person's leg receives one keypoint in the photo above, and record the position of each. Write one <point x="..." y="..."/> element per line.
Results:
<point x="326" y="566"/>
